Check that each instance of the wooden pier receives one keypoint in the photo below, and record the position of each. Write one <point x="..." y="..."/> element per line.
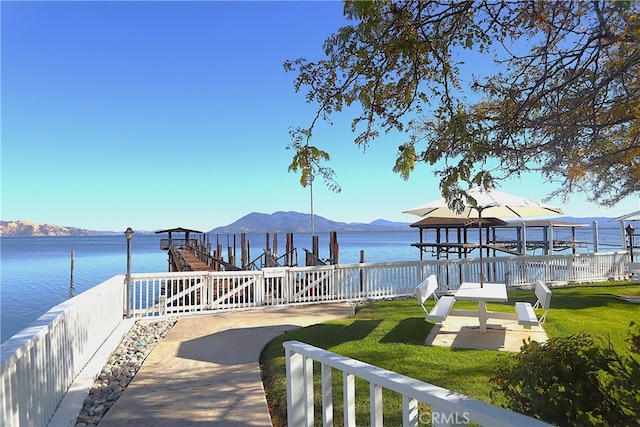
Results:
<point x="192" y="250"/>
<point x="189" y="254"/>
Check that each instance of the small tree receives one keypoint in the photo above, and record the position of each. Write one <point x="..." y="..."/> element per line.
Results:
<point x="574" y="381"/>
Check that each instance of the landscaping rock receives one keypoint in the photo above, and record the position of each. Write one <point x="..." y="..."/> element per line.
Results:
<point x="123" y="364"/>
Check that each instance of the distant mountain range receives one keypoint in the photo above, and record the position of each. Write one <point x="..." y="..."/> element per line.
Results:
<point x="34" y="229"/>
<point x="282" y="222"/>
<point x="28" y="228"/>
<point x="255" y="222"/>
<point x="279" y="222"/>
<point x="290" y="222"/>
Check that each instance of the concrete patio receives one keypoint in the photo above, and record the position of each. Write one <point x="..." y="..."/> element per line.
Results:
<point x="501" y="334"/>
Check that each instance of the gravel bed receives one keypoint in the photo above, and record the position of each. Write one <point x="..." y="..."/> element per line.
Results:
<point x="123" y="364"/>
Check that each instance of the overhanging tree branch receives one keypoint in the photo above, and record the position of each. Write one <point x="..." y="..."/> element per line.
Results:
<point x="562" y="99"/>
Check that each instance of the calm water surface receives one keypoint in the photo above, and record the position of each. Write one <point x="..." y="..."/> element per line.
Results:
<point x="35" y="271"/>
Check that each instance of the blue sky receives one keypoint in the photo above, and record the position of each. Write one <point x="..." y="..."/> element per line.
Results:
<point x="162" y="114"/>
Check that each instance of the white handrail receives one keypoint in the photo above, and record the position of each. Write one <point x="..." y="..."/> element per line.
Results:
<point x="156" y="294"/>
<point x="40" y="362"/>
<point x="447" y="406"/>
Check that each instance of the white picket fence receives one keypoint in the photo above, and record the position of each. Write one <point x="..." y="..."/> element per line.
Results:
<point x="157" y="294"/>
<point x="447" y="407"/>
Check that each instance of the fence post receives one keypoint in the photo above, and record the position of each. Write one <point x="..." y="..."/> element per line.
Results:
<point x="72" y="289"/>
<point x="308" y="390"/>
<point x="326" y="372"/>
<point x="295" y="388"/>
<point x="362" y="261"/>
<point x="129" y="235"/>
<point x="287" y="286"/>
<point x="409" y="412"/>
<point x="259" y="291"/>
<point x="299" y="389"/>
<point x="349" y="399"/>
<point x="375" y="399"/>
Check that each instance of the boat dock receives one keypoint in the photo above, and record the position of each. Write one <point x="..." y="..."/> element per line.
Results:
<point x="443" y="237"/>
<point x="192" y="250"/>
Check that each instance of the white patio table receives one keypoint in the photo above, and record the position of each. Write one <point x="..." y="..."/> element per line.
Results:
<point x="490" y="292"/>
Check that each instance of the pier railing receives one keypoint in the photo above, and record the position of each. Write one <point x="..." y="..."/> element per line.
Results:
<point x="446" y="407"/>
<point x="156" y="294"/>
<point x="178" y="243"/>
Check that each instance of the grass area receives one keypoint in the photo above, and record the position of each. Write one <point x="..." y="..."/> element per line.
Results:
<point x="391" y="334"/>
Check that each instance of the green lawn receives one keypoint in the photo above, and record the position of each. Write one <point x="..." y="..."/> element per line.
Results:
<point x="390" y="334"/>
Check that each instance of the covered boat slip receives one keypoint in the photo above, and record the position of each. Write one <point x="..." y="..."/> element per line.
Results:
<point x="450" y="237"/>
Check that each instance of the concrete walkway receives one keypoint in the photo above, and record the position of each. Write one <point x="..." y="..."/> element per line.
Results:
<point x="206" y="371"/>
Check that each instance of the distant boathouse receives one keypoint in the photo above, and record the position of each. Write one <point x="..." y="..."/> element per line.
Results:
<point x="458" y="236"/>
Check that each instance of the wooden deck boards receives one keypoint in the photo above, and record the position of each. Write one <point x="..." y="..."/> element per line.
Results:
<point x="194" y="262"/>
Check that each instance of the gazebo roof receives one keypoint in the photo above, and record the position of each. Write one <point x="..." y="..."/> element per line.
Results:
<point x="178" y="230"/>
<point x="437" y="222"/>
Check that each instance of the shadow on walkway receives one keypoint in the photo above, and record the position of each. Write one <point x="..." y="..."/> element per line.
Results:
<point x="206" y="370"/>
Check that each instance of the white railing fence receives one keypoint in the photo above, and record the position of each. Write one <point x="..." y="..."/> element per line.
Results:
<point x="40" y="362"/>
<point x="447" y="407"/>
<point x="156" y="294"/>
<point x="526" y="270"/>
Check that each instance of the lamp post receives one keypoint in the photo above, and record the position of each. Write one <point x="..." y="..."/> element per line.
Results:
<point x="129" y="235"/>
<point x="630" y="231"/>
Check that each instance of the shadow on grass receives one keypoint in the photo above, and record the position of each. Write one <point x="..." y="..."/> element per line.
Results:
<point x="577" y="297"/>
<point x="587" y="298"/>
<point x="328" y="335"/>
<point x="413" y="330"/>
<point x="576" y="301"/>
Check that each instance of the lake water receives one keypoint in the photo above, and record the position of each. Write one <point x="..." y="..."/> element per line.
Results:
<point x="35" y="271"/>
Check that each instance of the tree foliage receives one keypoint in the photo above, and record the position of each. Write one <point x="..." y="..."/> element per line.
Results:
<point x="308" y="160"/>
<point x="486" y="90"/>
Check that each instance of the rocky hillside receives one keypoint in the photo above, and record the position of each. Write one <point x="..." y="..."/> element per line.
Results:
<point x="28" y="229"/>
<point x="281" y="222"/>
